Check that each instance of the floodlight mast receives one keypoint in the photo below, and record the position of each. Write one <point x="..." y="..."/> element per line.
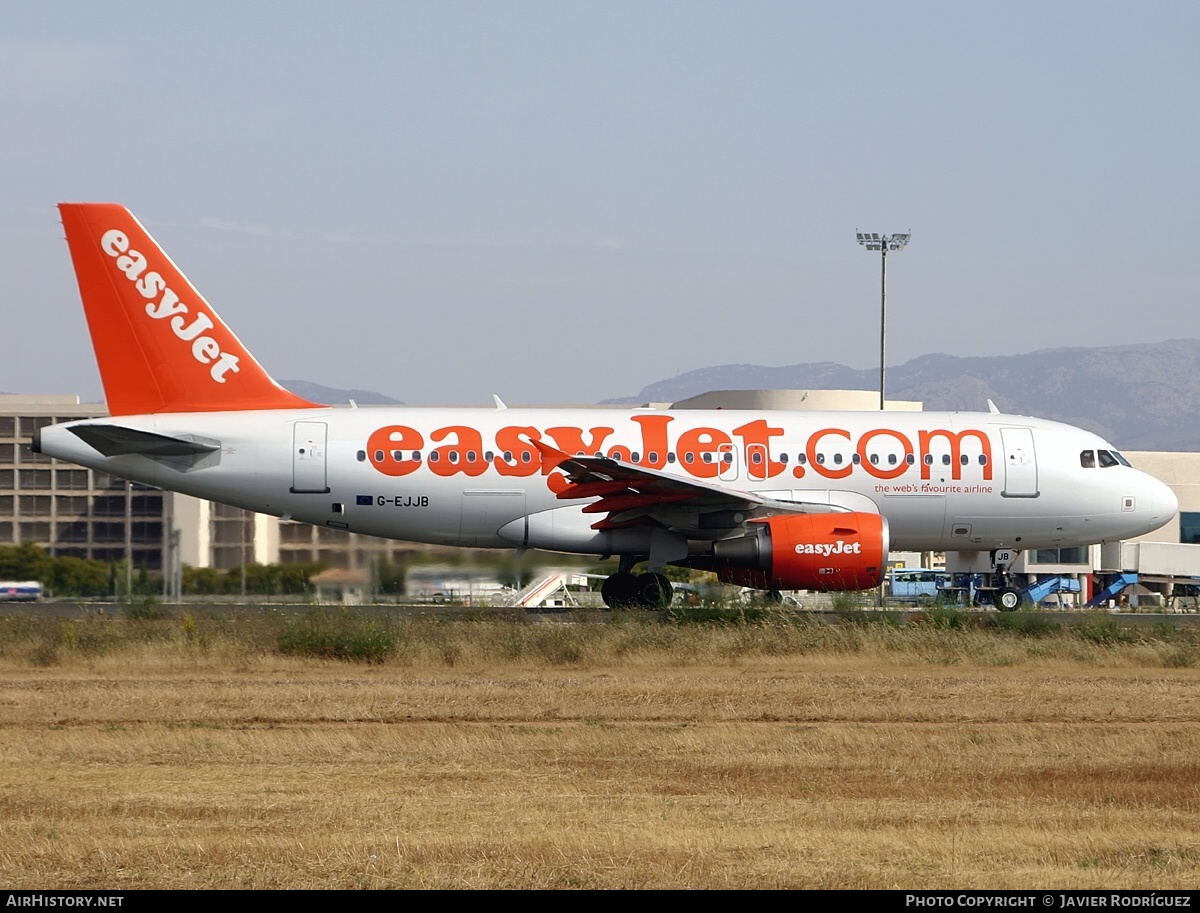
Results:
<point x="883" y="243"/>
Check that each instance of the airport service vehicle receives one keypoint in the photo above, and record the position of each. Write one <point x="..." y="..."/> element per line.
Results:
<point x="915" y="584"/>
<point x="20" y="590"/>
<point x="981" y="590"/>
<point x="770" y="500"/>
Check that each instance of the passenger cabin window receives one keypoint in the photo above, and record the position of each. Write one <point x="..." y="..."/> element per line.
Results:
<point x="1087" y="459"/>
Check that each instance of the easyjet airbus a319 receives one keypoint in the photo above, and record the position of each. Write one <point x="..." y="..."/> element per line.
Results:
<point x="773" y="500"/>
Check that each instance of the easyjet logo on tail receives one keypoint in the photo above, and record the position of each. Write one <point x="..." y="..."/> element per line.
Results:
<point x="165" y="303"/>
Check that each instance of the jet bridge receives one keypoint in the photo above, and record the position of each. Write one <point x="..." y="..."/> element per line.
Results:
<point x="1169" y="570"/>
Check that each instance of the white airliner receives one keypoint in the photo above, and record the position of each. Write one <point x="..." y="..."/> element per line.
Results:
<point x="773" y="500"/>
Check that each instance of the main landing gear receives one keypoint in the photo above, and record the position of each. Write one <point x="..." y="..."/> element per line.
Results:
<point x="625" y="590"/>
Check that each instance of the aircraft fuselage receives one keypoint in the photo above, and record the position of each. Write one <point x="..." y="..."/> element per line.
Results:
<point x="971" y="481"/>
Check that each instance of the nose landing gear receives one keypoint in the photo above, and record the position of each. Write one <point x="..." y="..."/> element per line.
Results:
<point x="1008" y="597"/>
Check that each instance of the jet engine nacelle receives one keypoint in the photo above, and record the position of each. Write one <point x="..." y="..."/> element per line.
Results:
<point x="807" y="552"/>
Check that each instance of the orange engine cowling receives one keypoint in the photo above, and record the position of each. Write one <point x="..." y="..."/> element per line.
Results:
<point x="807" y="552"/>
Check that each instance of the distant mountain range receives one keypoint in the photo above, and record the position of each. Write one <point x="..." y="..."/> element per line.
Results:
<point x="334" y="397"/>
<point x="1139" y="397"/>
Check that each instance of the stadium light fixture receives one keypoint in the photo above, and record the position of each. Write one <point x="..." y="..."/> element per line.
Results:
<point x="883" y="243"/>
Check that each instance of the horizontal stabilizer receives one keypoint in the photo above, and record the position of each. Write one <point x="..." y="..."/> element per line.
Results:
<point x="113" y="440"/>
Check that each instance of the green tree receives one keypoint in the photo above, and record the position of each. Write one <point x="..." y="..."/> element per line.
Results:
<point x="293" y="578"/>
<point x="202" y="581"/>
<point x="79" y="577"/>
<point x="390" y="578"/>
<point x="26" y="562"/>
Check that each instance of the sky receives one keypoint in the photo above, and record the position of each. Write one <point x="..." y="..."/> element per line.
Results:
<point x="561" y="202"/>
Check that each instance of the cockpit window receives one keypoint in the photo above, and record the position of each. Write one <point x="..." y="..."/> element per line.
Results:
<point x="1107" y="459"/>
<point x="1087" y="459"/>
<point x="1121" y="459"/>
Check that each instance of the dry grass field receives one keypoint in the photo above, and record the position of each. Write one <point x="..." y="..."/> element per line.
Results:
<point x="597" y="752"/>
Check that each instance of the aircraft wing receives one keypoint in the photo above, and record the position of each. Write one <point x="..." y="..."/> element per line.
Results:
<point x="629" y="494"/>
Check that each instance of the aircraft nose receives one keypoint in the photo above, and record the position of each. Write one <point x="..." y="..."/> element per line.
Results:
<point x="1163" y="504"/>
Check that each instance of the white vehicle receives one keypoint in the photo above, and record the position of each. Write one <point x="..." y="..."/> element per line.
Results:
<point x="915" y="584"/>
<point x="20" y="590"/>
<point x="772" y="500"/>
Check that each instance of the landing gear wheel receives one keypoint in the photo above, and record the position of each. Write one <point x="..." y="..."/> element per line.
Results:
<point x="654" y="591"/>
<point x="1007" y="599"/>
<point x="620" y="590"/>
<point x="773" y="597"/>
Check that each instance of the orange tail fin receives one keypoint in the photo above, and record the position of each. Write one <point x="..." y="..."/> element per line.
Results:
<point x="159" y="345"/>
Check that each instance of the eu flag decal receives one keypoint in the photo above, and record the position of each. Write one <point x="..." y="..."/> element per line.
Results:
<point x="364" y="500"/>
